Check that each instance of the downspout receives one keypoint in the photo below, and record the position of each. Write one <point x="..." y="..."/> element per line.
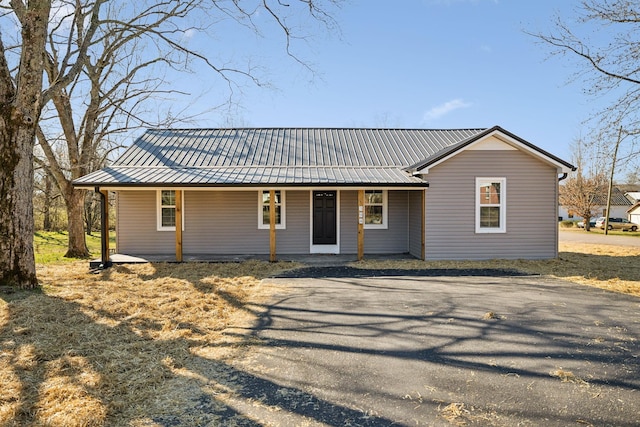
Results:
<point x="105" y="262"/>
<point x="560" y="178"/>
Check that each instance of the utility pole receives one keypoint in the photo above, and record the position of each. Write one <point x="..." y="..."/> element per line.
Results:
<point x="613" y="169"/>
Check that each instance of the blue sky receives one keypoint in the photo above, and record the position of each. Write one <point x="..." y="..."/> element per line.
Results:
<point x="415" y="64"/>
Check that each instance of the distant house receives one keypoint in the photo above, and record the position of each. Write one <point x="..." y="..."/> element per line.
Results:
<point x="634" y="196"/>
<point x="632" y="192"/>
<point x="435" y="194"/>
<point x="633" y="213"/>
<point x="620" y="203"/>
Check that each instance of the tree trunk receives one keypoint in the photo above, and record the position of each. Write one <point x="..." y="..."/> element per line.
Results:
<point x="20" y="108"/>
<point x="48" y="199"/>
<point x="17" y="261"/>
<point x="91" y="212"/>
<point x="75" y="210"/>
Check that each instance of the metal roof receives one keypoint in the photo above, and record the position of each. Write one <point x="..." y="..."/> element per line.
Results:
<point x="617" y="198"/>
<point x="284" y="156"/>
<point x="248" y="176"/>
<point x="288" y="147"/>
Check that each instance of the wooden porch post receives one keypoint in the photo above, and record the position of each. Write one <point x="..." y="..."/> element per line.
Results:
<point x="423" y="238"/>
<point x="272" y="225"/>
<point x="105" y="224"/>
<point x="179" y="225"/>
<point x="105" y="261"/>
<point x="361" y="215"/>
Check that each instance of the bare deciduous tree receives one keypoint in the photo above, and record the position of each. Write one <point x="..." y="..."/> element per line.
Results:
<point x="602" y="38"/>
<point x="585" y="191"/>
<point x="105" y="97"/>
<point x="584" y="195"/>
<point x="47" y="210"/>
<point x="101" y="60"/>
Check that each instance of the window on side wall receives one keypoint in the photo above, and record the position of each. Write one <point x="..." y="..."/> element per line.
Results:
<point x="166" y="206"/>
<point x="375" y="209"/>
<point x="491" y="205"/>
<point x="264" y="206"/>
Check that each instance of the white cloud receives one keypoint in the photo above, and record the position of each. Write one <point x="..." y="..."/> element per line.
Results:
<point x="444" y="109"/>
<point x="189" y="33"/>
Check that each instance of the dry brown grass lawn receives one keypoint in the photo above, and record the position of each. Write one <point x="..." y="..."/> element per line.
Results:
<point x="110" y="348"/>
<point x="147" y="345"/>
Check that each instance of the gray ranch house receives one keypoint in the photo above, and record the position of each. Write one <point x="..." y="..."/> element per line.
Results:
<point x="450" y="194"/>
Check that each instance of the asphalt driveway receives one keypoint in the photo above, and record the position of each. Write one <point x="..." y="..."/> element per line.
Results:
<point x="342" y="347"/>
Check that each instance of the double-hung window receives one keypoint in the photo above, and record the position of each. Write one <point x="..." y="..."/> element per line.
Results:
<point x="166" y="206"/>
<point x="375" y="209"/>
<point x="264" y="202"/>
<point x="491" y="205"/>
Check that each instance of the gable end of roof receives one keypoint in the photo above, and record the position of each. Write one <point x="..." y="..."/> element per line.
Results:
<point x="460" y="146"/>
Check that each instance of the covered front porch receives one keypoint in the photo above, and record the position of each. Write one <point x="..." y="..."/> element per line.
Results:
<point x="317" y="224"/>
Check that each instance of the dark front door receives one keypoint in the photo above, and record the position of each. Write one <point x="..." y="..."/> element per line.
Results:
<point x="324" y="218"/>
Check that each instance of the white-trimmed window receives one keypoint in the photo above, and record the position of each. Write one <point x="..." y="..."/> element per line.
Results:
<point x="491" y="205"/>
<point x="264" y="206"/>
<point x="166" y="207"/>
<point x="375" y="209"/>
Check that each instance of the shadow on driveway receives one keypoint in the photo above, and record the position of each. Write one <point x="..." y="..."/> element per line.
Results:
<point x="477" y="347"/>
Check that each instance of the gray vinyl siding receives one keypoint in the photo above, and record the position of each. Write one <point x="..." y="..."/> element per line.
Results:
<point x="394" y="239"/>
<point x="349" y="222"/>
<point x="137" y="223"/>
<point x="415" y="217"/>
<point x="531" y="194"/>
<point x="295" y="239"/>
<point x="216" y="222"/>
<point x="223" y="222"/>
